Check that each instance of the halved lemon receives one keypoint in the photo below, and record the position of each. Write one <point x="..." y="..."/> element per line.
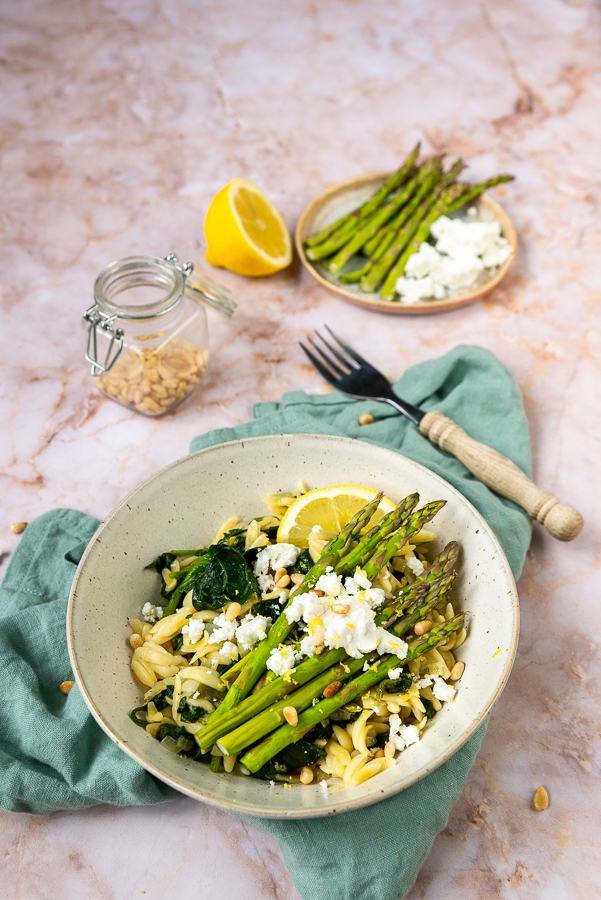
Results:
<point x="245" y="232"/>
<point x="330" y="508"/>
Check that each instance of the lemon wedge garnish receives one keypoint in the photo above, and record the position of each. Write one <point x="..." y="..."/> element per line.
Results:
<point x="245" y="232"/>
<point x="330" y="508"/>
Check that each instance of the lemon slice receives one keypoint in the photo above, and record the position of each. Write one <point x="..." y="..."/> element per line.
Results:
<point x="245" y="232"/>
<point x="330" y="508"/>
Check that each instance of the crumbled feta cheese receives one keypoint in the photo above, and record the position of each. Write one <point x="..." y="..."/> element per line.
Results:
<point x="463" y="250"/>
<point x="361" y="578"/>
<point x="395" y="673"/>
<point x="423" y="262"/>
<point x="281" y="661"/>
<point x="415" y="564"/>
<point x="316" y="529"/>
<point x="412" y="290"/>
<point x="441" y="690"/>
<point x="458" y="271"/>
<point x="402" y="735"/>
<point x="390" y="643"/>
<point x="194" y="629"/>
<point x="223" y="630"/>
<point x="152" y="613"/>
<point x="366" y="665"/>
<point x="196" y="695"/>
<point x="424" y="682"/>
<point x="272" y="558"/>
<point x="229" y="649"/>
<point x="306" y="647"/>
<point x="324" y="786"/>
<point x="472" y="212"/>
<point x="374" y="597"/>
<point x="330" y="584"/>
<point x="252" y="630"/>
<point x="496" y="256"/>
<point x="305" y="606"/>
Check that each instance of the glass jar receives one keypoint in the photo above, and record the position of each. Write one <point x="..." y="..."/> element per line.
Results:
<point x="147" y="339"/>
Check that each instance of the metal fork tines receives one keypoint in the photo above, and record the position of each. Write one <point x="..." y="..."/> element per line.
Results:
<point x="347" y="371"/>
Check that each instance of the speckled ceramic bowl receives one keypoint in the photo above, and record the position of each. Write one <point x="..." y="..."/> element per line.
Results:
<point x="183" y="505"/>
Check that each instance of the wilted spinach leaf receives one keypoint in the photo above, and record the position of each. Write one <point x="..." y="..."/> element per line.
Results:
<point x="295" y="756"/>
<point x="382" y="738"/>
<point x="239" y="536"/>
<point x="347" y="713"/>
<point x="192" y="713"/>
<point x="429" y="707"/>
<point x="141" y="722"/>
<point x="162" y="562"/>
<point x="303" y="564"/>
<point x="321" y="731"/>
<point x="225" y="577"/>
<point x="271" y="608"/>
<point x="395" y="686"/>
<point x="302" y="753"/>
<point x="174" y="731"/>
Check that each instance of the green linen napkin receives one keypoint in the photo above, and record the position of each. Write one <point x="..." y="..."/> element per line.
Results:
<point x="54" y="756"/>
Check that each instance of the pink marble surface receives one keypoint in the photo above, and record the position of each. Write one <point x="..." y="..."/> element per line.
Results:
<point x="120" y="120"/>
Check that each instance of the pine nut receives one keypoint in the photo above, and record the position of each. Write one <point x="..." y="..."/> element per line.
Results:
<point x="135" y="641"/>
<point x="332" y="689"/>
<point x="231" y="612"/>
<point x="457" y="671"/>
<point x="366" y="419"/>
<point x="389" y="750"/>
<point x="341" y="608"/>
<point x="280" y="574"/>
<point x="320" y="742"/>
<point x="423" y="627"/>
<point x="283" y="582"/>
<point x="379" y="753"/>
<point x="66" y="686"/>
<point x="297" y="578"/>
<point x="291" y="715"/>
<point x="18" y="527"/>
<point x="306" y="775"/>
<point x="318" y="637"/>
<point x="541" y="799"/>
<point x="319" y="593"/>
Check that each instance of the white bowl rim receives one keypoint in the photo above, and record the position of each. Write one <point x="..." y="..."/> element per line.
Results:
<point x="346" y="805"/>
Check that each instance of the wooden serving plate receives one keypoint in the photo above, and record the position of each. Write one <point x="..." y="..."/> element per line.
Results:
<point x="348" y="195"/>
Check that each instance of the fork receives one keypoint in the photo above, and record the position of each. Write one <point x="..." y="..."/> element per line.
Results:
<point x="351" y="374"/>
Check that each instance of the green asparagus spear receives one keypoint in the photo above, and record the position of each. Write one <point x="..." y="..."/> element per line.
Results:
<point x="428" y="175"/>
<point x="454" y="202"/>
<point x="340" y="238"/>
<point x="256" y="661"/>
<point x="472" y="192"/>
<point x="254" y="729"/>
<point x="381" y="241"/>
<point x="377" y="272"/>
<point x="277" y="689"/>
<point x="415" y="601"/>
<point x="389" y="546"/>
<point x="257" y="756"/>
<point x="391" y="185"/>
<point x="421" y="595"/>
<point x="369" y="541"/>
<point x="416" y="607"/>
<point x="331" y="552"/>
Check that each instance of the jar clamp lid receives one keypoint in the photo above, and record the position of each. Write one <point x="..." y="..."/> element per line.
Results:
<point x="141" y="271"/>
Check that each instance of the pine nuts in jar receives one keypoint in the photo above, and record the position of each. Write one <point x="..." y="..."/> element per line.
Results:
<point x="147" y="339"/>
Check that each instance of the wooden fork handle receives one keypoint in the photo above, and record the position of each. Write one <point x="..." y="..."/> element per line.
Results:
<point x="503" y="476"/>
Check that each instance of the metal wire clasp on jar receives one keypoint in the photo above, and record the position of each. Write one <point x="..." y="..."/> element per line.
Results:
<point x="147" y="339"/>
